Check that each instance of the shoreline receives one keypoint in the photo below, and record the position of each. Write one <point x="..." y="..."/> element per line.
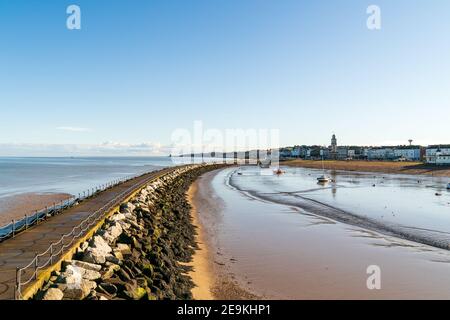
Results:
<point x="411" y="168"/>
<point x="202" y="274"/>
<point x="17" y="206"/>
<point x="211" y="275"/>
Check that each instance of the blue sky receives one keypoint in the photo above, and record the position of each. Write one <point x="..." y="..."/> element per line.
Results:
<point x="138" y="70"/>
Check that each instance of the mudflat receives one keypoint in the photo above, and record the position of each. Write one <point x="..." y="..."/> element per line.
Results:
<point x="259" y="248"/>
<point x="17" y="206"/>
<point x="373" y="166"/>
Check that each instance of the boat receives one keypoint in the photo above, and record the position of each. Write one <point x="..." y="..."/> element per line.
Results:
<point x="278" y="171"/>
<point x="448" y="186"/>
<point x="323" y="179"/>
<point x="265" y="163"/>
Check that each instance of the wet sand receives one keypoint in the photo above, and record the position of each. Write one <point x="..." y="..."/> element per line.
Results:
<point x="16" y="207"/>
<point x="268" y="250"/>
<point x="202" y="274"/>
<point x="212" y="277"/>
<point x="374" y="166"/>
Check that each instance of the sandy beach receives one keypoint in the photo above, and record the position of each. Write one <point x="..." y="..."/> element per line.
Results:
<point x="16" y="207"/>
<point x="253" y="248"/>
<point x="202" y="275"/>
<point x="211" y="275"/>
<point x="417" y="168"/>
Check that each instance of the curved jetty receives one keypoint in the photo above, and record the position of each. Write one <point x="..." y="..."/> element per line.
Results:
<point x="137" y="252"/>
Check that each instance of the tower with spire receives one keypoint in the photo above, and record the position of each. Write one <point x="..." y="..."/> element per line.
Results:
<point x="333" y="151"/>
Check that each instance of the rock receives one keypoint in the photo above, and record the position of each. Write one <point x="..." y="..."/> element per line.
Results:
<point x="82" y="264"/>
<point x="118" y="217"/>
<point x="147" y="269"/>
<point x="112" y="258"/>
<point x="84" y="246"/>
<point x="93" y="255"/>
<point x="125" y="226"/>
<point x="92" y="275"/>
<point x="124" y="275"/>
<point x="133" y="291"/>
<point x="124" y="249"/>
<point x="74" y="274"/>
<point x="127" y="207"/>
<point x="116" y="282"/>
<point x="97" y="251"/>
<point x="112" y="233"/>
<point x="108" y="288"/>
<point x="79" y="291"/>
<point x="100" y="244"/>
<point x="110" y="270"/>
<point x="53" y="294"/>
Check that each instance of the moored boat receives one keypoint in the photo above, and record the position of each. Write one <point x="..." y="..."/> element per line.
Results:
<point x="323" y="179"/>
<point x="265" y="163"/>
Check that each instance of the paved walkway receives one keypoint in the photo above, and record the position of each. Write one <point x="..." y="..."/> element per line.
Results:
<point x="20" y="250"/>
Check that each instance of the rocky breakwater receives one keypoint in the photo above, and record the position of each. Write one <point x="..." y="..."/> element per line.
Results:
<point x="139" y="251"/>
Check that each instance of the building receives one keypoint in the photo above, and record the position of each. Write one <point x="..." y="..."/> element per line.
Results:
<point x="333" y="148"/>
<point x="381" y="153"/>
<point x="342" y="153"/>
<point x="286" y="152"/>
<point x="410" y="153"/>
<point x="438" y="154"/>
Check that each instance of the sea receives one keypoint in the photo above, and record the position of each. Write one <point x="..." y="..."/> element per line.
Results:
<point x="70" y="175"/>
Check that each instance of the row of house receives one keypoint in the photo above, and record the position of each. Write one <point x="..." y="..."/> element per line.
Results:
<point x="438" y="154"/>
<point x="435" y="154"/>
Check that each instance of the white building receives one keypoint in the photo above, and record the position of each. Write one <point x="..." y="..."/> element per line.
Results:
<point x="439" y="155"/>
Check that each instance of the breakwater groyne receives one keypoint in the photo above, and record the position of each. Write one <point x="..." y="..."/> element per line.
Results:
<point x="138" y="252"/>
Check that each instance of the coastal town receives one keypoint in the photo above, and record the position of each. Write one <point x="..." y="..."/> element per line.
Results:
<point x="436" y="155"/>
<point x="432" y="154"/>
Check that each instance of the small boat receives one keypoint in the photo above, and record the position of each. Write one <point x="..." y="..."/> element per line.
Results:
<point x="323" y="179"/>
<point x="265" y="163"/>
<point x="448" y="186"/>
<point x="278" y="171"/>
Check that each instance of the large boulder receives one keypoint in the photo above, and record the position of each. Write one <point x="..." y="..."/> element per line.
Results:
<point x="53" y="294"/>
<point x="82" y="264"/>
<point x="74" y="274"/>
<point x="100" y="243"/>
<point x="94" y="255"/>
<point x="79" y="291"/>
<point x="97" y="251"/>
<point x="112" y="233"/>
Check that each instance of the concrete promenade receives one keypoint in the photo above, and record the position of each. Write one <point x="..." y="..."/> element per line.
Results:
<point x="20" y="250"/>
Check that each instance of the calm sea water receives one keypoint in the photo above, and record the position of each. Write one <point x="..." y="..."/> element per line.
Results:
<point x="69" y="175"/>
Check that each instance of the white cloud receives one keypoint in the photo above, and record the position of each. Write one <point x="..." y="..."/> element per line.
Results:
<point x="74" y="129"/>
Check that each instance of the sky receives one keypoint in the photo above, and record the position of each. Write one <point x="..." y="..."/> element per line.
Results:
<point x="138" y="71"/>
